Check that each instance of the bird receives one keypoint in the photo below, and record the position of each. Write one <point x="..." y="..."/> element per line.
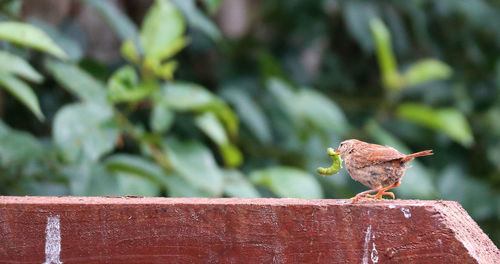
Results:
<point x="378" y="167"/>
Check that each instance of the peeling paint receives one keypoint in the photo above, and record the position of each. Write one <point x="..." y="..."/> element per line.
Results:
<point x="367" y="240"/>
<point x="374" y="254"/>
<point x="53" y="240"/>
<point x="406" y="212"/>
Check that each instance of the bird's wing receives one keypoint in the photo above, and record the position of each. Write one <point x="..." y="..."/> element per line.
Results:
<point x="369" y="154"/>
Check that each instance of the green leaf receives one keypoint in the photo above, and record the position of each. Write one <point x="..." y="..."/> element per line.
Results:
<point x="213" y="5"/>
<point x="77" y="81"/>
<point x="29" y="36"/>
<point x="129" y="51"/>
<point x="357" y="15"/>
<point x="124" y="77"/>
<point x="237" y="185"/>
<point x="191" y="97"/>
<point x="225" y="114"/>
<point x="136" y="175"/>
<point x="176" y="185"/>
<point x="211" y="126"/>
<point x="133" y="94"/>
<point x="124" y="86"/>
<point x="390" y="76"/>
<point x="45" y="188"/>
<point x="288" y="182"/>
<point x="180" y="187"/>
<point x="162" y="31"/>
<point x="90" y="179"/>
<point x="63" y="37"/>
<point x="123" y="26"/>
<point x="12" y="64"/>
<point x="446" y="120"/>
<point x="18" y="147"/>
<point x="136" y="165"/>
<point x="307" y="107"/>
<point x="426" y="70"/>
<point x="197" y="19"/>
<point x="318" y="109"/>
<point x="131" y="184"/>
<point x="454" y="185"/>
<point x="22" y="92"/>
<point x="456" y="125"/>
<point x="166" y="70"/>
<point x="185" y="96"/>
<point x="231" y="154"/>
<point x="195" y="163"/>
<point x="84" y="131"/>
<point x="250" y="113"/>
<point x="161" y="118"/>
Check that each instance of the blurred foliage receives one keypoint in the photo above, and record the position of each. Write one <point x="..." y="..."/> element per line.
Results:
<point x="189" y="111"/>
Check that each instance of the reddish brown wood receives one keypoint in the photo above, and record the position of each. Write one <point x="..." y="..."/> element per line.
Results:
<point x="211" y="230"/>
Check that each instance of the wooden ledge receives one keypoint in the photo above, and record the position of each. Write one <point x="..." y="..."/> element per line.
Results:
<point x="229" y="230"/>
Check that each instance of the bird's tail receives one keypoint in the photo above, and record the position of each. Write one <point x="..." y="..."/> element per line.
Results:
<point x="418" y="154"/>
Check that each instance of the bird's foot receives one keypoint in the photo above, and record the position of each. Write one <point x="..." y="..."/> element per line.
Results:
<point x="379" y="195"/>
<point x="362" y="195"/>
<point x="355" y="198"/>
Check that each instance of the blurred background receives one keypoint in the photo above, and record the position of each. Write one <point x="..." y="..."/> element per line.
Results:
<point x="241" y="98"/>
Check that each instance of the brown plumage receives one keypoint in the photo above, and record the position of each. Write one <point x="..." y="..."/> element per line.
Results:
<point x="378" y="167"/>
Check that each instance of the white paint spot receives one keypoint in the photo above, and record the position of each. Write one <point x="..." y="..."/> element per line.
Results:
<point x="53" y="240"/>
<point x="406" y="212"/>
<point x="439" y="241"/>
<point x="374" y="254"/>
<point x="367" y="240"/>
<point x="392" y="206"/>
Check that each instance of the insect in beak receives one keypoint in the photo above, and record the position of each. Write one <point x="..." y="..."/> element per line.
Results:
<point x="336" y="166"/>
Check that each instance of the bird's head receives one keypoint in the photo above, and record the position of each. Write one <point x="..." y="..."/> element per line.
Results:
<point x="346" y="146"/>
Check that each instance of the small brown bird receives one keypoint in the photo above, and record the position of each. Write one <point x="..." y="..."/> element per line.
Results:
<point x="378" y="167"/>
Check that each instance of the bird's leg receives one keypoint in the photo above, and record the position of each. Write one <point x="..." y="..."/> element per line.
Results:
<point x="383" y="192"/>
<point x="361" y="194"/>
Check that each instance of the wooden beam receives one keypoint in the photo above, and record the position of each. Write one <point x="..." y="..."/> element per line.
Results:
<point x="227" y="230"/>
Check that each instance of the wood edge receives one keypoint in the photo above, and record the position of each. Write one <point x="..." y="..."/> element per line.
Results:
<point x="466" y="231"/>
<point x="233" y="201"/>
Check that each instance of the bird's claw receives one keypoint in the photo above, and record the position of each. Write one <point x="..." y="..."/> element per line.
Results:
<point x="354" y="199"/>
<point x="379" y="196"/>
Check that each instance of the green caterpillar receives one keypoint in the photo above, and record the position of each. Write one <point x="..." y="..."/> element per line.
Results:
<point x="336" y="166"/>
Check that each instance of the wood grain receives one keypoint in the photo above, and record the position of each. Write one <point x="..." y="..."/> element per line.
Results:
<point x="229" y="230"/>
